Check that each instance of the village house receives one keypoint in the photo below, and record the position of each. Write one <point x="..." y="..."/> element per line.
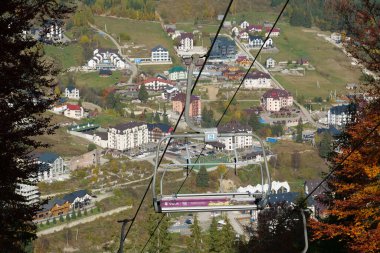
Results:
<point x="257" y="41"/>
<point x="275" y="32"/>
<point x="178" y="103"/>
<point x="157" y="84"/>
<point x="74" y="111"/>
<point x="233" y="75"/>
<point x="244" y="24"/>
<point x="106" y="59"/>
<point x="170" y="31"/>
<point x="78" y="199"/>
<point x="235" y="141"/>
<point x="71" y="92"/>
<point x="100" y="139"/>
<point x="169" y="92"/>
<point x="127" y="136"/>
<point x="336" y="37"/>
<point x="157" y="131"/>
<point x="340" y="115"/>
<point x="52" y="31"/>
<point x="275" y="99"/>
<point x="243" y="35"/>
<point x="257" y="80"/>
<point x="54" y="207"/>
<point x="234" y="31"/>
<point x="270" y="63"/>
<point x="50" y="166"/>
<point x="186" y="41"/>
<point x="255" y="28"/>
<point x="177" y="73"/>
<point x="243" y="61"/>
<point x="160" y="54"/>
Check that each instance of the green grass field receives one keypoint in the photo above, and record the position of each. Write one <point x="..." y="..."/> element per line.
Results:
<point x="333" y="68"/>
<point x="68" y="56"/>
<point x="92" y="79"/>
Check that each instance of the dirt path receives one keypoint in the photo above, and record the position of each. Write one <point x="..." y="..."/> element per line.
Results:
<point x="82" y="221"/>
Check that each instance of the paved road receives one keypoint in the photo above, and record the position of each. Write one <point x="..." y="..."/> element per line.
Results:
<point x="260" y="67"/>
<point x="82" y="221"/>
<point x="131" y="64"/>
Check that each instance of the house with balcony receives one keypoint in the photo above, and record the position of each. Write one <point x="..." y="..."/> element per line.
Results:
<point x="235" y="141"/>
<point x="257" y="41"/>
<point x="127" y="136"/>
<point x="160" y="54"/>
<point x="177" y="73"/>
<point x="29" y="192"/>
<point x="178" y="103"/>
<point x="71" y="92"/>
<point x="186" y="41"/>
<point x="157" y="131"/>
<point x="74" y="111"/>
<point x="106" y="59"/>
<point x="275" y="99"/>
<point x="224" y="48"/>
<point x="257" y="80"/>
<point x="51" y="166"/>
<point x="157" y="84"/>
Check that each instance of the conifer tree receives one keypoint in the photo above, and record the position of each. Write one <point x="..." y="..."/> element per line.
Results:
<point x="213" y="237"/>
<point x="202" y="177"/>
<point x="196" y="243"/>
<point x="27" y="90"/>
<point x="228" y="235"/>
<point x="299" y="131"/>
<point x="325" y="145"/>
<point x="143" y="94"/>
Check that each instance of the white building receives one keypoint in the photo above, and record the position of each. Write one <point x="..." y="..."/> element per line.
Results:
<point x="74" y="111"/>
<point x="186" y="41"/>
<point x="243" y="35"/>
<point x="177" y="73"/>
<point x="257" y="80"/>
<point x="244" y="25"/>
<point x="71" y="92"/>
<point x="169" y="93"/>
<point x="275" y="99"/>
<point x="29" y="192"/>
<point x="340" y="115"/>
<point x="275" y="32"/>
<point x="336" y="37"/>
<point x="106" y="59"/>
<point x="235" y="31"/>
<point x="51" y="166"/>
<point x="235" y="141"/>
<point x="276" y="188"/>
<point x="257" y="41"/>
<point x="270" y="63"/>
<point x="52" y="31"/>
<point x="157" y="84"/>
<point x="160" y="54"/>
<point x="127" y="136"/>
<point x="100" y="139"/>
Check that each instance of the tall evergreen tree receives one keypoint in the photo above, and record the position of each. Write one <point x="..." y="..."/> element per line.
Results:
<point x="202" y="177"/>
<point x="228" y="235"/>
<point x="299" y="131"/>
<point x="254" y="122"/>
<point x="157" y="118"/>
<point x="213" y="237"/>
<point x="325" y="145"/>
<point x="28" y="81"/>
<point x="195" y="242"/>
<point x="143" y="94"/>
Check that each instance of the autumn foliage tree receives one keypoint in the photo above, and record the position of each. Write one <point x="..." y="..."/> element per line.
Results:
<point x="353" y="214"/>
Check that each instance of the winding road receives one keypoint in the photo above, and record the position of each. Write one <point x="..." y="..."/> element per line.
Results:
<point x="133" y="67"/>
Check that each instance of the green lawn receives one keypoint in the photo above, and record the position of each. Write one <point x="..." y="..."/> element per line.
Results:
<point x="68" y="56"/>
<point x="92" y="79"/>
<point x="108" y="118"/>
<point x="149" y="34"/>
<point x="333" y="68"/>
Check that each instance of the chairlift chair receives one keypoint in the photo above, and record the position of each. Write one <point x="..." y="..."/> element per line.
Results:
<point x="207" y="202"/>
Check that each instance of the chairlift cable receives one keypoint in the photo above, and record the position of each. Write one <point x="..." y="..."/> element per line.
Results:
<point x="175" y="127"/>
<point x="225" y="111"/>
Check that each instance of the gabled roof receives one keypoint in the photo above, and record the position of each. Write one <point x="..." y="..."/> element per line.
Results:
<point x="234" y="127"/>
<point x="331" y="130"/>
<point x="72" y="196"/>
<point x="47" y="157"/>
<point x="102" y="135"/>
<point x="182" y="97"/>
<point x="155" y="79"/>
<point x="159" y="48"/>
<point x="51" y="203"/>
<point x="255" y="37"/>
<point x="276" y="94"/>
<point x="342" y="109"/>
<point x="177" y="69"/>
<point x="129" y="125"/>
<point x="312" y="184"/>
<point x="255" y="27"/>
<point x="163" y="127"/>
<point x="187" y="35"/>
<point x="73" y="107"/>
<point x="70" y="87"/>
<point x="258" y="75"/>
<point x="274" y="29"/>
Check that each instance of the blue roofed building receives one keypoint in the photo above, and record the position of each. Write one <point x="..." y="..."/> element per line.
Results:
<point x="160" y="54"/>
<point x="340" y="115"/>
<point x="51" y="166"/>
<point x="224" y="48"/>
<point x="78" y="199"/>
<point x="157" y="131"/>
